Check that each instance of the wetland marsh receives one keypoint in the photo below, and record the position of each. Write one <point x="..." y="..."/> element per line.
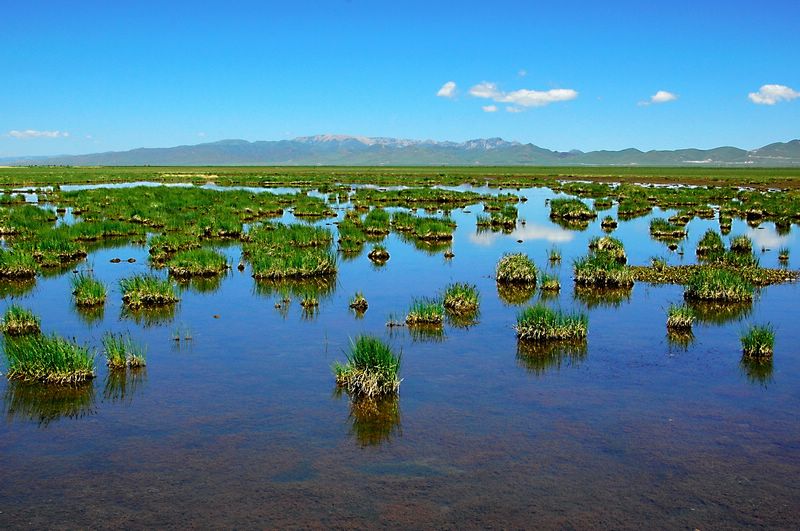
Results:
<point x="545" y="367"/>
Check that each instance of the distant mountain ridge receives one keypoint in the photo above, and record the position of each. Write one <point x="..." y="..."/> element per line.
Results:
<point x="344" y="150"/>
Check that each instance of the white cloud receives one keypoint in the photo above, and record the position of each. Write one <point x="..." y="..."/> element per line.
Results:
<point x="448" y="90"/>
<point x="662" y="96"/>
<point x="32" y="133"/>
<point x="485" y="90"/>
<point x="511" y="108"/>
<point x="489" y="108"/>
<point x="772" y="94"/>
<point x="522" y="97"/>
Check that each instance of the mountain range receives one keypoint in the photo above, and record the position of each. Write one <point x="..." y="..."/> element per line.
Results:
<point x="342" y="150"/>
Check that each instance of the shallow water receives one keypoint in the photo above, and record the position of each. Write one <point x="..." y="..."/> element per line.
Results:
<point x="241" y="425"/>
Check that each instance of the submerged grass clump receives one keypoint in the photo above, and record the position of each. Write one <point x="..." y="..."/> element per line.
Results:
<point x="198" y="262"/>
<point x="461" y="298"/>
<point x="679" y="318"/>
<point x="18" y="321"/>
<point x="88" y="291"/>
<point x="758" y="342"/>
<point x="147" y="290"/>
<point x="372" y="369"/>
<point x="712" y="284"/>
<point x="48" y="359"/>
<point x="516" y="268"/>
<point x="540" y="323"/>
<point x="121" y="351"/>
<point x="425" y="312"/>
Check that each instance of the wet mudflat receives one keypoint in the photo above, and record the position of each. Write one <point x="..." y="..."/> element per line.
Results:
<point x="240" y="423"/>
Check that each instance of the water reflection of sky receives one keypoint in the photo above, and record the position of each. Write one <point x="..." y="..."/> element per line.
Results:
<point x="529" y="231"/>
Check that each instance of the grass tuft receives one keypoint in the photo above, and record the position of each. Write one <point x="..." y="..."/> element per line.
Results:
<point x="359" y="302"/>
<point x="371" y="370"/>
<point x="88" y="291"/>
<point x="516" y="268"/>
<point x="198" y="262"/>
<point x="758" y="342"/>
<point x="19" y="321"/>
<point x="121" y="351"/>
<point x="679" y="317"/>
<point x="147" y="290"/>
<point x="461" y="298"/>
<point x="711" y="284"/>
<point x="540" y="323"/>
<point x="48" y="359"/>
<point x="425" y="311"/>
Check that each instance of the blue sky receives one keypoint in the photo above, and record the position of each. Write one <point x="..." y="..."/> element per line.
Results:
<point x="78" y="77"/>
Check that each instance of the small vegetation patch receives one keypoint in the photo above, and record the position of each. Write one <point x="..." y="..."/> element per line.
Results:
<point x="516" y="268"/>
<point x="461" y="298"/>
<point x="504" y="218"/>
<point x="378" y="254"/>
<point x="710" y="244"/>
<point x="48" y="359"/>
<point x="758" y="342"/>
<point x="741" y="244"/>
<point x="88" y="291"/>
<point x="425" y="311"/>
<point x="147" y="290"/>
<point x="548" y="282"/>
<point x="601" y="270"/>
<point x="609" y="246"/>
<point x="198" y="263"/>
<point x="571" y="209"/>
<point x="377" y="222"/>
<point x="17" y="264"/>
<point x="608" y="223"/>
<point x="292" y="263"/>
<point x="18" y="321"/>
<point x="540" y="323"/>
<point x="121" y="351"/>
<point x="358" y="302"/>
<point x="712" y="284"/>
<point x="663" y="229"/>
<point x="679" y="318"/>
<point x="372" y="369"/>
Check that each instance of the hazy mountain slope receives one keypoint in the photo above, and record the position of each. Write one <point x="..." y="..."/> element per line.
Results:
<point x="358" y="151"/>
